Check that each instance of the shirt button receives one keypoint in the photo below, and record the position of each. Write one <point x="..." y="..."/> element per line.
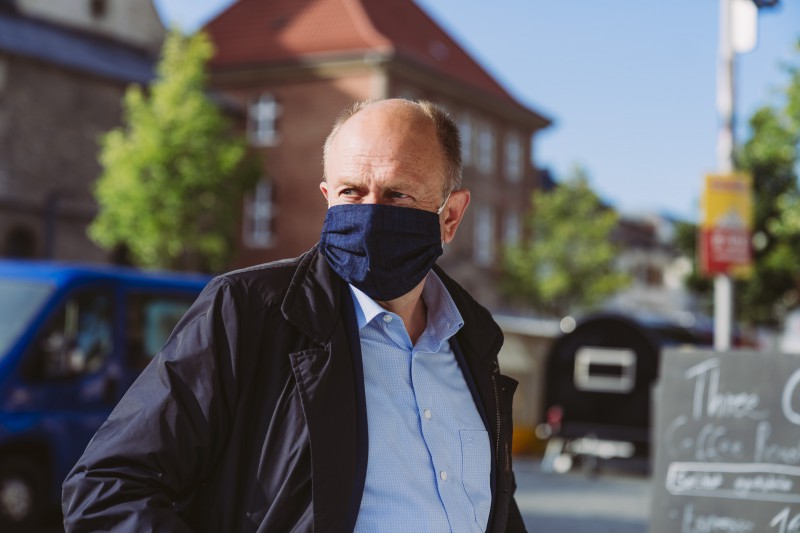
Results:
<point x="387" y="318"/>
<point x="427" y="413"/>
<point x="443" y="475"/>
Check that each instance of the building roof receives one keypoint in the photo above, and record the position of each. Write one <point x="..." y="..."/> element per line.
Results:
<point x="74" y="49"/>
<point x="252" y="33"/>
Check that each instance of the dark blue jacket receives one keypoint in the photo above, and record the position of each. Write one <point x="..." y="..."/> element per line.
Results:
<point x="252" y="419"/>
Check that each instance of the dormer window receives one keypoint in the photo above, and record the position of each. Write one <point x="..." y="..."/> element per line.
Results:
<point x="262" y="121"/>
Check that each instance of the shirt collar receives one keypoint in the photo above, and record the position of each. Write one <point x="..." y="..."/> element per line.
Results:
<point x="446" y="320"/>
<point x="366" y="307"/>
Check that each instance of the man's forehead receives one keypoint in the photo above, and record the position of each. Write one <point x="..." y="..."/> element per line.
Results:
<point x="397" y="115"/>
<point x="381" y="139"/>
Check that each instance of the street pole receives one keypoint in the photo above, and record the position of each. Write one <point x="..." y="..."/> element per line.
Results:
<point x="723" y="284"/>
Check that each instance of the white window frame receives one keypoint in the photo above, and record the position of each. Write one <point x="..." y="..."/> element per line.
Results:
<point x="465" y="132"/>
<point x="486" y="147"/>
<point x="262" y="120"/>
<point x="513" y="157"/>
<point x="483" y="243"/>
<point x="258" y="216"/>
<point x="512" y="228"/>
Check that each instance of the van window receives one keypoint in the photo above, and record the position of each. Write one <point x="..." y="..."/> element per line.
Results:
<point x="19" y="301"/>
<point x="151" y="319"/>
<point x="78" y="338"/>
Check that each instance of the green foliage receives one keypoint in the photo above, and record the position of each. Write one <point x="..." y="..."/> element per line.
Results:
<point x="770" y="155"/>
<point x="174" y="173"/>
<point x="569" y="261"/>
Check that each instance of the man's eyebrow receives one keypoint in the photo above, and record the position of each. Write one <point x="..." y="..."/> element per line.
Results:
<point x="346" y="183"/>
<point x="414" y="182"/>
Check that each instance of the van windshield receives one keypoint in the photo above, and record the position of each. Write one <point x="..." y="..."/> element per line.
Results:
<point x="19" y="301"/>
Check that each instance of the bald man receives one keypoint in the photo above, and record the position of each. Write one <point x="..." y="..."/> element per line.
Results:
<point x="355" y="388"/>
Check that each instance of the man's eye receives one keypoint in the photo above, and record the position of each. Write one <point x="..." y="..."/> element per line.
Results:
<point x="397" y="194"/>
<point x="348" y="192"/>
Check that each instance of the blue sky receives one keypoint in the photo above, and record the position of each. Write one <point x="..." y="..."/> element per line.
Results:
<point x="630" y="84"/>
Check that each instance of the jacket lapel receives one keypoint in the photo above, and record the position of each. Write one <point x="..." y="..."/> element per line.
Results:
<point x="324" y="375"/>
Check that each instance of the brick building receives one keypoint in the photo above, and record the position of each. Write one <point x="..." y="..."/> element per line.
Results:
<point x="64" y="67"/>
<point x="293" y="65"/>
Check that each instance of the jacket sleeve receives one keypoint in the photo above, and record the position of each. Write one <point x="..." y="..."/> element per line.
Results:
<point x="162" y="439"/>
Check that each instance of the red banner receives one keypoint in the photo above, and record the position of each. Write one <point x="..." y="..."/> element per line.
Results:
<point x="725" y="231"/>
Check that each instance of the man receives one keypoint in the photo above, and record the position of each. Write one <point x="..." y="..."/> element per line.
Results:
<point x="355" y="388"/>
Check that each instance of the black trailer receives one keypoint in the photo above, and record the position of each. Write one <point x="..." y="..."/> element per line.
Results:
<point x="598" y="388"/>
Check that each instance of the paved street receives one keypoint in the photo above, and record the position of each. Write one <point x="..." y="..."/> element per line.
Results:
<point x="611" y="502"/>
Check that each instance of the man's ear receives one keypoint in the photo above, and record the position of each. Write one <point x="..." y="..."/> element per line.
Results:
<point x="323" y="186"/>
<point x="452" y="213"/>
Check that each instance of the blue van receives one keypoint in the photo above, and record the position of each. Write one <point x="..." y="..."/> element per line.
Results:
<point x="72" y="340"/>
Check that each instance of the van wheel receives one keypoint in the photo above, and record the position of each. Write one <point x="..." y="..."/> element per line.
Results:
<point x="21" y="495"/>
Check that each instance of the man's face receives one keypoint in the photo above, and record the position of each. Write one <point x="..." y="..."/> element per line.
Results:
<point x="385" y="154"/>
<point x="388" y="153"/>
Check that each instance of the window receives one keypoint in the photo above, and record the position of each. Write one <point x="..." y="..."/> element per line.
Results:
<point x="465" y="130"/>
<point x="484" y="233"/>
<point x="151" y="319"/>
<point x="513" y="156"/>
<point x="511" y="231"/>
<point x="20" y="300"/>
<point x="78" y="338"/>
<point x="485" y="148"/>
<point x="258" y="216"/>
<point x="262" y="121"/>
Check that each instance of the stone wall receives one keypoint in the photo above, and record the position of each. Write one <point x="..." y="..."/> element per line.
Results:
<point x="50" y="123"/>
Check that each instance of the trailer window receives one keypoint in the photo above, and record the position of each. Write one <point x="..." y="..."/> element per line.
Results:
<point x="19" y="302"/>
<point x="605" y="369"/>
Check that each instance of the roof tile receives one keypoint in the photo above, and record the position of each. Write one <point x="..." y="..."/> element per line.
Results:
<point x="254" y="32"/>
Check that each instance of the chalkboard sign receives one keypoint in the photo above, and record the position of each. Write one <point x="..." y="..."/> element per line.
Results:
<point x="727" y="443"/>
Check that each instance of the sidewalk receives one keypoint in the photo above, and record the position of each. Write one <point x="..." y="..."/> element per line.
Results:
<point x="611" y="502"/>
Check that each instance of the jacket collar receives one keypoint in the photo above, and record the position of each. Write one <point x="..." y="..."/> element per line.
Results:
<point x="315" y="292"/>
<point x="312" y="300"/>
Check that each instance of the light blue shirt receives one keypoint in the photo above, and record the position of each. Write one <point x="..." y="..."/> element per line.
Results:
<point x="429" y="462"/>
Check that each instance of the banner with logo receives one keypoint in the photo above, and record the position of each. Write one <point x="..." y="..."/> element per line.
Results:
<point x="727" y="225"/>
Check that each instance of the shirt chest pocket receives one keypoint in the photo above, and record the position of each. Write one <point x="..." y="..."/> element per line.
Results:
<point x="476" y="465"/>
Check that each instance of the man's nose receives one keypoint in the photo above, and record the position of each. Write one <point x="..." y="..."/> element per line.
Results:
<point x="374" y="198"/>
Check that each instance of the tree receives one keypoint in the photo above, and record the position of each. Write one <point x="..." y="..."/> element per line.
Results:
<point x="569" y="261"/>
<point x="174" y="172"/>
<point x="770" y="155"/>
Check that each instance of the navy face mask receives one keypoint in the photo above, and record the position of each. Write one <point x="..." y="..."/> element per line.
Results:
<point x="383" y="250"/>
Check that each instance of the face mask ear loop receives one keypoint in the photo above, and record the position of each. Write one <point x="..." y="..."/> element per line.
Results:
<point x="439" y="212"/>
